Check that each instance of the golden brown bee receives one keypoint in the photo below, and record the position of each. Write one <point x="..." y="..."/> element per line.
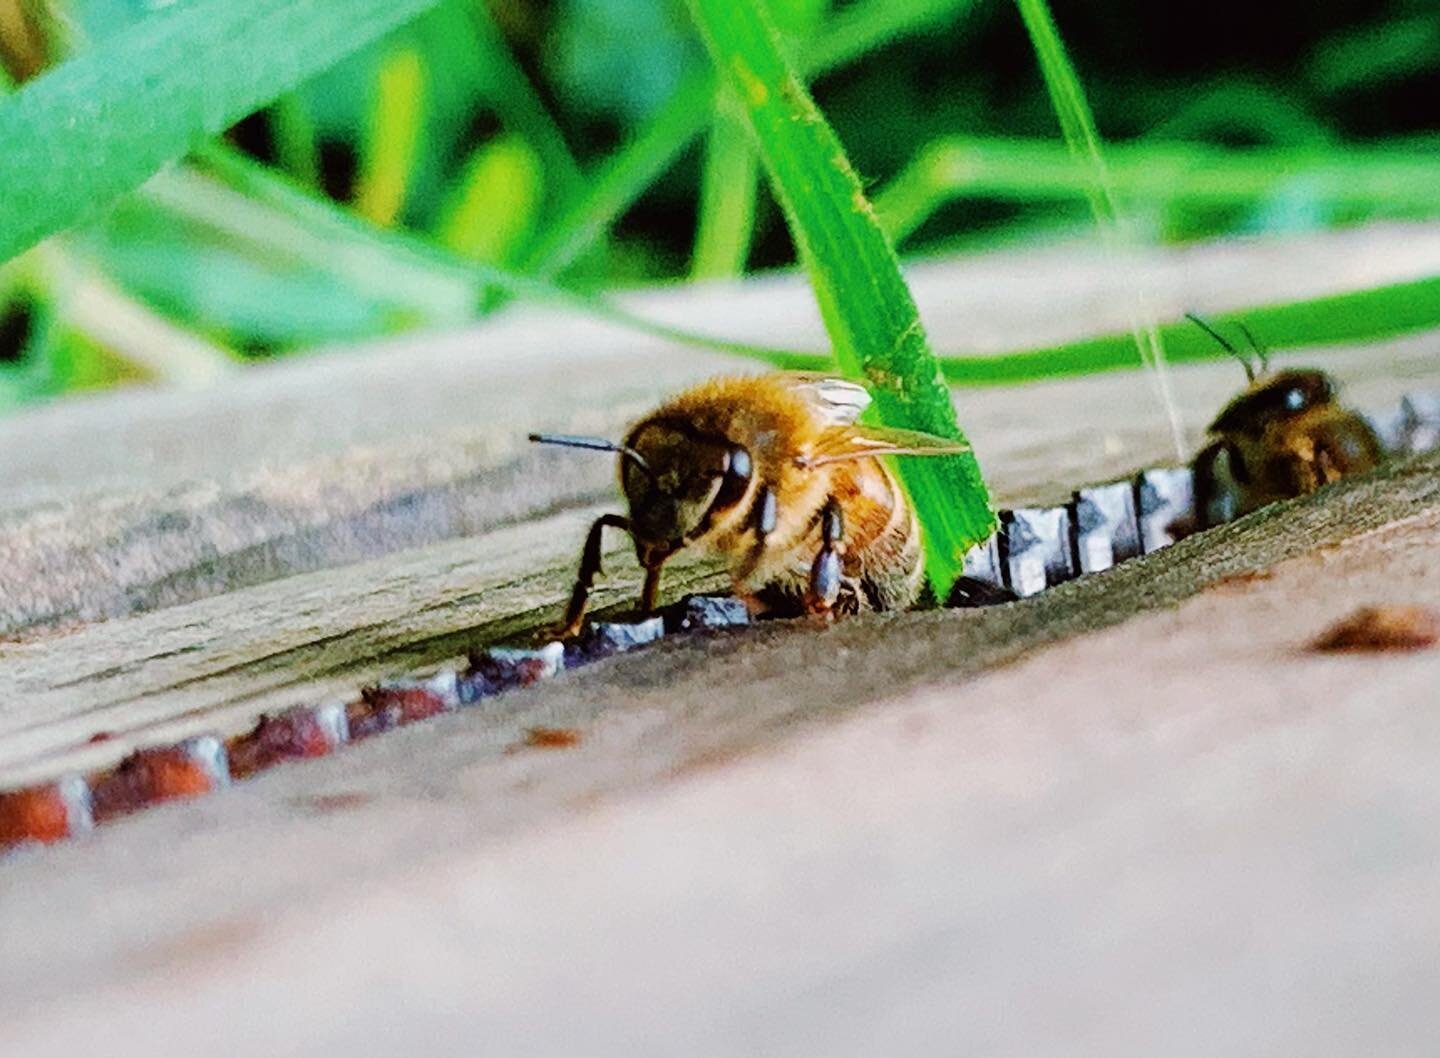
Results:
<point x="1284" y="436"/>
<point x="775" y="474"/>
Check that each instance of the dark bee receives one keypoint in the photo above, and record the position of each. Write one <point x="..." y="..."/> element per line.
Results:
<point x="1286" y="435"/>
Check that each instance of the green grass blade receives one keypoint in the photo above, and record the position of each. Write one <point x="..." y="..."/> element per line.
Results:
<point x="1337" y="319"/>
<point x="392" y="138"/>
<point x="620" y="181"/>
<point x="870" y="24"/>
<point x="1078" y="126"/>
<point x="491" y="211"/>
<point x="256" y="204"/>
<point x="866" y="306"/>
<point x="730" y="167"/>
<point x="297" y="147"/>
<point x="727" y="198"/>
<point x="856" y="31"/>
<point x="521" y="106"/>
<point x="81" y="135"/>
<point x="1383" y="181"/>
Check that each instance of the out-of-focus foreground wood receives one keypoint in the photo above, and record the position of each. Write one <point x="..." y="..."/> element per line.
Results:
<point x="1135" y="815"/>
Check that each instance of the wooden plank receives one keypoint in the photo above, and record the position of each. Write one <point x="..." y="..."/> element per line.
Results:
<point x="126" y="502"/>
<point x="1161" y="822"/>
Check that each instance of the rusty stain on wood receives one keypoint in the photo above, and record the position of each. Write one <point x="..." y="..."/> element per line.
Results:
<point x="550" y="738"/>
<point x="1382" y="628"/>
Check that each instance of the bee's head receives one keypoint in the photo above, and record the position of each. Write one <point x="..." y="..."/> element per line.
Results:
<point x="1274" y="398"/>
<point x="1270" y="398"/>
<point x="677" y="481"/>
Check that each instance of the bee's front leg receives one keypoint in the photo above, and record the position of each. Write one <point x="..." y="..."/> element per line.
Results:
<point x="589" y="569"/>
<point x="826" y="577"/>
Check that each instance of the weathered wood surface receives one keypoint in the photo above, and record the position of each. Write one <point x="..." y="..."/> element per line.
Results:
<point x="1181" y="835"/>
<point x="790" y="841"/>
<point x="242" y="530"/>
<point x="125" y="503"/>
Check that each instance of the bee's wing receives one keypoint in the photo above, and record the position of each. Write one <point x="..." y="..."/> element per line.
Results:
<point x="837" y="401"/>
<point x="844" y="444"/>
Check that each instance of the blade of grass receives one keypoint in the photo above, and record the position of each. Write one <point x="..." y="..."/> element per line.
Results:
<point x="82" y="134"/>
<point x="296" y="146"/>
<point x="730" y="167"/>
<point x="256" y="204"/>
<point x="727" y="198"/>
<point x="392" y="138"/>
<point x="493" y="207"/>
<point x="620" y="180"/>
<point x="866" y="306"/>
<point x="1339" y="319"/>
<point x="1390" y="182"/>
<point x="1078" y="127"/>
<point x="521" y="106"/>
<point x="623" y="178"/>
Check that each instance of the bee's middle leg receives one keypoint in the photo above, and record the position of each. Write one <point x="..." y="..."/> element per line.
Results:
<point x="827" y="579"/>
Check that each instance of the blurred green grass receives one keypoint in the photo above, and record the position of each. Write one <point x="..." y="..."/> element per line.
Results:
<point x="569" y="148"/>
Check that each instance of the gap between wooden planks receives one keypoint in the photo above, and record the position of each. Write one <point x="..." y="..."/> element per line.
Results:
<point x="1164" y="822"/>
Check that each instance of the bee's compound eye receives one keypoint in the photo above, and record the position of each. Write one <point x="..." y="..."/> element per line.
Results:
<point x="1295" y="399"/>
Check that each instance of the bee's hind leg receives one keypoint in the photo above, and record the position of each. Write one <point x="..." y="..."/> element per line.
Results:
<point x="589" y="570"/>
<point x="826" y="577"/>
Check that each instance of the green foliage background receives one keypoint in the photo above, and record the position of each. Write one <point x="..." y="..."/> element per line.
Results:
<point x="581" y="145"/>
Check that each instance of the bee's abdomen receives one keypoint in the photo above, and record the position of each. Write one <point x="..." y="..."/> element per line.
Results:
<point x="883" y="551"/>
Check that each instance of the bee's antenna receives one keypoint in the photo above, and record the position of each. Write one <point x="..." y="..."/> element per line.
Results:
<point x="597" y="444"/>
<point x="1225" y="343"/>
<point x="1261" y="353"/>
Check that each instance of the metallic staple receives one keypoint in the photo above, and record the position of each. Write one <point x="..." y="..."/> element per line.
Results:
<point x="1105" y="530"/>
<point x="1111" y="523"/>
<point x="1036" y="543"/>
<point x="1033" y="549"/>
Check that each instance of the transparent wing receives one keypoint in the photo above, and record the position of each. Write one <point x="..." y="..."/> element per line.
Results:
<point x="843" y="444"/>
<point x="838" y="401"/>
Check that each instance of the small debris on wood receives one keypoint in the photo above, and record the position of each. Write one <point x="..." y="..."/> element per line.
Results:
<point x="1376" y="628"/>
<point x="1036" y="546"/>
<point x="551" y="738"/>
<point x="972" y="592"/>
<point x="149" y="776"/>
<point x="296" y="734"/>
<point x="1106" y="529"/>
<point x="705" y="613"/>
<point x="45" y="814"/>
<point x="605" y="638"/>
<point x="1236" y="581"/>
<point x="392" y="705"/>
<point x="325" y="804"/>
<point x="1165" y="504"/>
<point x="504" y="668"/>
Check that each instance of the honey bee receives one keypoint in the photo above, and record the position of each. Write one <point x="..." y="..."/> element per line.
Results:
<point x="775" y="474"/>
<point x="1286" y="435"/>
